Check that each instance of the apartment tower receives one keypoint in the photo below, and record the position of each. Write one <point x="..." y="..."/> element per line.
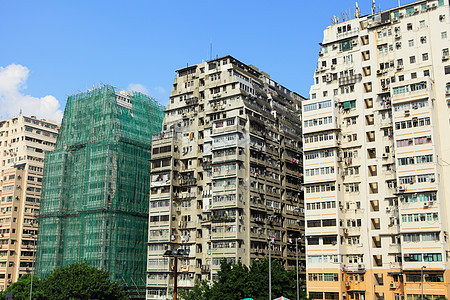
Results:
<point x="96" y="186"/>
<point x="377" y="154"/>
<point x="226" y="174"/>
<point x="23" y="141"/>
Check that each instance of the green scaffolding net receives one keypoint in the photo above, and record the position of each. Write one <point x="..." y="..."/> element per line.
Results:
<point x="94" y="204"/>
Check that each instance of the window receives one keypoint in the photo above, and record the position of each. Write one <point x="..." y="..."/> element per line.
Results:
<point x="423" y="40"/>
<point x="411" y="43"/>
<point x="426" y="73"/>
<point x="432" y="257"/>
<point x="409" y="25"/>
<point x="422" y="23"/>
<point x="444" y="35"/>
<point x="412" y="59"/>
<point x="425" y="56"/>
<point x="447" y="70"/>
<point x="413" y="75"/>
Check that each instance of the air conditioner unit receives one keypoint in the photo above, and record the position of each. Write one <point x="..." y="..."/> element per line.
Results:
<point x="360" y="266"/>
<point x="432" y="180"/>
<point x="333" y="67"/>
<point x="395" y="20"/>
<point x="345" y="230"/>
<point x="333" y="243"/>
<point x="378" y="72"/>
<point x="400" y="15"/>
<point x="354" y="42"/>
<point x="407" y="112"/>
<point x="392" y="285"/>
<point x="445" y="57"/>
<point x="385" y="155"/>
<point x="388" y="209"/>
<point x="398" y="35"/>
<point x="414" y="106"/>
<point x="401" y="187"/>
<point x="347" y="284"/>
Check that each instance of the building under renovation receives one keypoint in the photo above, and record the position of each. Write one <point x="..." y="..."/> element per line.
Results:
<point x="96" y="186"/>
<point x="226" y="174"/>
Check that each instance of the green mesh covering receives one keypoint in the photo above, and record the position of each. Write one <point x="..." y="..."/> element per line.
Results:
<point x="96" y="184"/>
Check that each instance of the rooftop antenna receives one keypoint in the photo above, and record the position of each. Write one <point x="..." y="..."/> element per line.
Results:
<point x="358" y="11"/>
<point x="398" y="3"/>
<point x="210" y="50"/>
<point x="373" y="7"/>
<point x="20" y="112"/>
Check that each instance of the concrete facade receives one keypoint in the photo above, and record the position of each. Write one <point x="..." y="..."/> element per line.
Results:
<point x="226" y="174"/>
<point x="376" y="156"/>
<point x="23" y="141"/>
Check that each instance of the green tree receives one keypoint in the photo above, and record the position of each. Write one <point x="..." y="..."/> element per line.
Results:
<point x="76" y="281"/>
<point x="21" y="288"/>
<point x="236" y="281"/>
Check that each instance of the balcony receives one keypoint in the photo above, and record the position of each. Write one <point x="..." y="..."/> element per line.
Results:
<point x="347" y="34"/>
<point x="187" y="181"/>
<point x="351" y="79"/>
<point x="412" y="89"/>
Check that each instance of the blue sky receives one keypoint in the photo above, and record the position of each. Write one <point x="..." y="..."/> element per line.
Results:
<point x="52" y="49"/>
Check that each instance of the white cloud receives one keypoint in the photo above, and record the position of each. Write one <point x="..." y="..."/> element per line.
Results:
<point x="137" y="87"/>
<point x="160" y="90"/>
<point x="13" y="100"/>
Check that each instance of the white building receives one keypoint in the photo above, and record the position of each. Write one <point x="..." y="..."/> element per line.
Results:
<point x="23" y="141"/>
<point x="377" y="156"/>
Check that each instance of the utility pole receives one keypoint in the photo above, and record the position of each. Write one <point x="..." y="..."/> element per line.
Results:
<point x="421" y="277"/>
<point x="175" y="277"/>
<point x="296" y="265"/>
<point x="270" y="267"/>
<point x="32" y="266"/>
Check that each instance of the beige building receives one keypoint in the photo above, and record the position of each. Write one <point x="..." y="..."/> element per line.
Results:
<point x="23" y="141"/>
<point x="226" y="173"/>
<point x="377" y="154"/>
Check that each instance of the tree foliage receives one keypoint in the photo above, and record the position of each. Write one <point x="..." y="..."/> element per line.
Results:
<point x="236" y="281"/>
<point x="76" y="281"/>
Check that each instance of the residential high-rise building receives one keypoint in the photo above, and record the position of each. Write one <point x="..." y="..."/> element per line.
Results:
<point x="23" y="141"/>
<point x="96" y="186"/>
<point x="376" y="156"/>
<point x="226" y="174"/>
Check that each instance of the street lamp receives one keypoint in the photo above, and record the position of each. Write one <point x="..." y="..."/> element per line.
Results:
<point x="296" y="264"/>
<point x="175" y="254"/>
<point x="271" y="241"/>
<point x="34" y="236"/>
<point x="421" y="277"/>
